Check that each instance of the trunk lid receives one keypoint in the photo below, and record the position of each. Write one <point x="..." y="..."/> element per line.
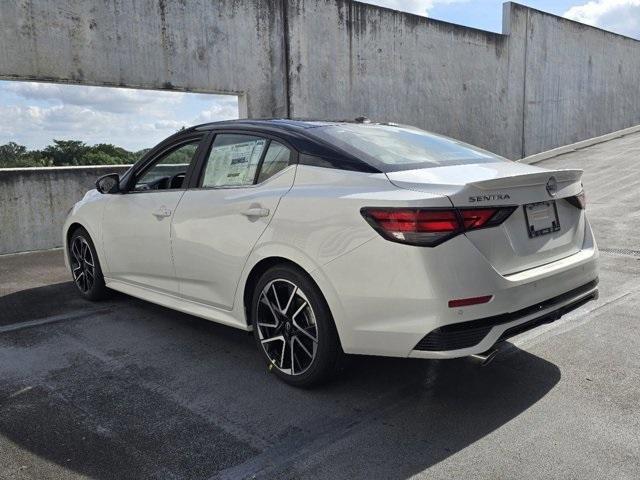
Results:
<point x="509" y="247"/>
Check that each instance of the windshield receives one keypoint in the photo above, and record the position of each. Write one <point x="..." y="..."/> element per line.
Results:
<point x="398" y="147"/>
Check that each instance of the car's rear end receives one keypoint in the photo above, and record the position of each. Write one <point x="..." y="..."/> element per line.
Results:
<point x="511" y="249"/>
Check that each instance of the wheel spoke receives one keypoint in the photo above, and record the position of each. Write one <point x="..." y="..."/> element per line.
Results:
<point x="292" y="357"/>
<point x="272" y="339"/>
<point x="275" y="294"/>
<point x="302" y="330"/>
<point x="284" y="346"/>
<point x="300" y="308"/>
<point x="306" y="350"/>
<point x="270" y="325"/>
<point x="265" y="300"/>
<point x="293" y="294"/>
<point x="75" y="250"/>
<point x="88" y="256"/>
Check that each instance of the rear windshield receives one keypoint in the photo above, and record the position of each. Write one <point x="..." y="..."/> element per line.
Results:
<point x="395" y="147"/>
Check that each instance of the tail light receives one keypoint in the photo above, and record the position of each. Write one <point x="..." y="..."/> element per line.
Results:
<point x="578" y="201"/>
<point x="428" y="227"/>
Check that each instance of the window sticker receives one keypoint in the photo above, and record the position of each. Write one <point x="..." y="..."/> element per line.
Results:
<point x="233" y="164"/>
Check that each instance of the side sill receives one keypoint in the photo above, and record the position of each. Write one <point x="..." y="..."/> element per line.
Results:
<point x="180" y="304"/>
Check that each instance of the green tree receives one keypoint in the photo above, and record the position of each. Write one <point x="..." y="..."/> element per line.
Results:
<point x="99" y="158"/>
<point x="13" y="155"/>
<point x="118" y="155"/>
<point x="141" y="153"/>
<point x="11" y="151"/>
<point x="66" y="152"/>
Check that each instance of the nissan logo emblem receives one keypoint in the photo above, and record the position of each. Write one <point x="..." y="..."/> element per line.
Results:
<point x="552" y="186"/>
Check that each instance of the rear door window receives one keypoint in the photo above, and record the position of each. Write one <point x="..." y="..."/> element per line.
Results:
<point x="233" y="160"/>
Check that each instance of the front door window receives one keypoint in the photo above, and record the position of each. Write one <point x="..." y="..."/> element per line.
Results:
<point x="168" y="173"/>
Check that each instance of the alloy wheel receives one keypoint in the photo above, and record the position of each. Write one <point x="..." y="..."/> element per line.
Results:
<point x="286" y="326"/>
<point x="82" y="264"/>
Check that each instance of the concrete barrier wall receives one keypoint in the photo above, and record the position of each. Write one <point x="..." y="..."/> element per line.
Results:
<point x="389" y="65"/>
<point x="544" y="82"/>
<point x="579" y="81"/>
<point x="221" y="46"/>
<point x="35" y="201"/>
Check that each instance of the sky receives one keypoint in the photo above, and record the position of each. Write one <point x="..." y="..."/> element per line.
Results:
<point x="33" y="114"/>
<point x="620" y="16"/>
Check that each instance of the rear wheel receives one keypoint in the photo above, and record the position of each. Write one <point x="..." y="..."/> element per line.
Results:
<point x="293" y="327"/>
<point x="85" y="267"/>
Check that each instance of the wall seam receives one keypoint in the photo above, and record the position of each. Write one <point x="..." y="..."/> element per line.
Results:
<point x="287" y="57"/>
<point x="350" y="31"/>
<point x="524" y="88"/>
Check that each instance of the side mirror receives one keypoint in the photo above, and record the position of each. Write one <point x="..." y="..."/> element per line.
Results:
<point x="108" y="183"/>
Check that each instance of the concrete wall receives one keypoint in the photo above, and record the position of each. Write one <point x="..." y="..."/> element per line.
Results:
<point x="579" y="81"/>
<point x="404" y="68"/>
<point x="35" y="201"/>
<point x="544" y="82"/>
<point x="215" y="46"/>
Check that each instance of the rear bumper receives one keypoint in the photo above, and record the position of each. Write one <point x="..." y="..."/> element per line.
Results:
<point x="474" y="336"/>
<point x="386" y="297"/>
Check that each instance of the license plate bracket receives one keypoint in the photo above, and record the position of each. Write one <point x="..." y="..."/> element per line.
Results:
<point x="541" y="218"/>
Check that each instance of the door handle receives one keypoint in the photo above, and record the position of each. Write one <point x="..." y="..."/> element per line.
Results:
<point x="162" y="212"/>
<point x="256" y="212"/>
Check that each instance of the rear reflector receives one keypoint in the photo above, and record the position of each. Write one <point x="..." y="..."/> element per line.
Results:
<point x="429" y="227"/>
<point x="578" y="201"/>
<point x="465" y="302"/>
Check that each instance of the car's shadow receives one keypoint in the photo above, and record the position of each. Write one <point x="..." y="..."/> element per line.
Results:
<point x="36" y="303"/>
<point x="144" y="392"/>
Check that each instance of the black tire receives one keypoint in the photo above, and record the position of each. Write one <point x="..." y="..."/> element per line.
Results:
<point x="316" y="321"/>
<point x="85" y="266"/>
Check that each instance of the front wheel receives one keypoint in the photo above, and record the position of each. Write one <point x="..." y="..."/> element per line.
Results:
<point x="85" y="267"/>
<point x="293" y="327"/>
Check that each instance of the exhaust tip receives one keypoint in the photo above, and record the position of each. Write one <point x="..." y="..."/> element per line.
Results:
<point x="485" y="358"/>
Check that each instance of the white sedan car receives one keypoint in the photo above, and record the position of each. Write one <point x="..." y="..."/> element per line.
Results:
<point x="327" y="238"/>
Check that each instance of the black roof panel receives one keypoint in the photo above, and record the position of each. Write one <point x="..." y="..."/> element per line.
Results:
<point x="296" y="133"/>
<point x="284" y="123"/>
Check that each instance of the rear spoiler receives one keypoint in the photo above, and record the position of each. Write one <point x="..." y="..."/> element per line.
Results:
<point x="563" y="179"/>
